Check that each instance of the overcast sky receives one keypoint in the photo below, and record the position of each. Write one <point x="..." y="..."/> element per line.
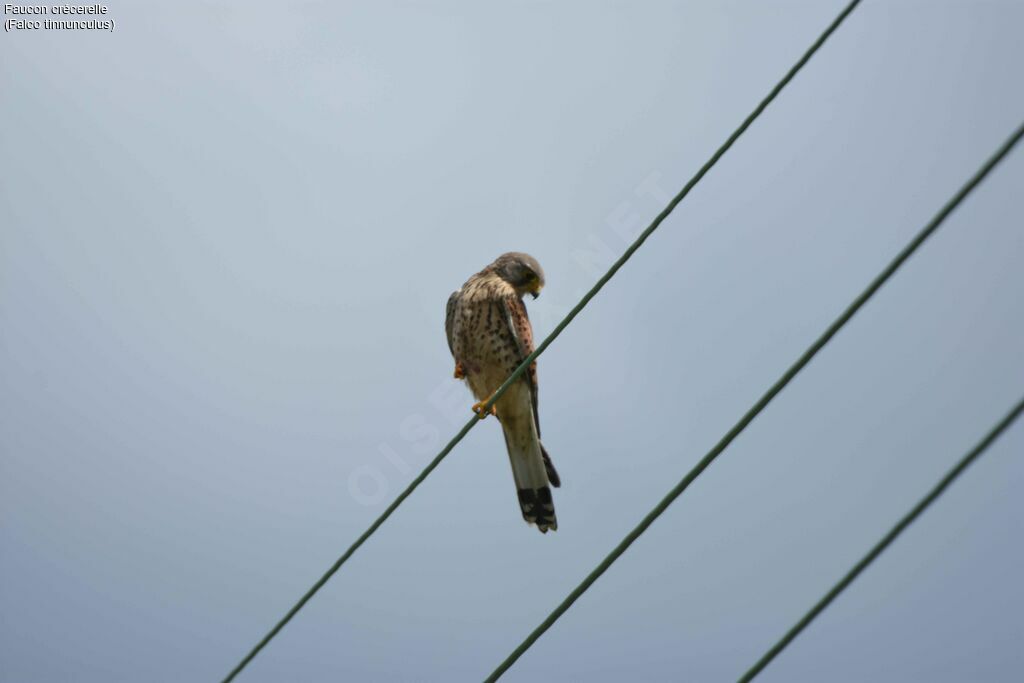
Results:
<point x="227" y="234"/>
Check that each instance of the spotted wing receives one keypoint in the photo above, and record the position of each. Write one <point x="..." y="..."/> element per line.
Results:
<point x="449" y="321"/>
<point x="522" y="331"/>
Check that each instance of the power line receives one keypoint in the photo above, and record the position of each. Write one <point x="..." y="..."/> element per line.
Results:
<point x="748" y="417"/>
<point x="348" y="553"/>
<point x="547" y="341"/>
<point x="904" y="522"/>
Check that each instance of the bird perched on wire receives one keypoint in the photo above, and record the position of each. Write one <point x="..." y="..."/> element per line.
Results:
<point x="489" y="335"/>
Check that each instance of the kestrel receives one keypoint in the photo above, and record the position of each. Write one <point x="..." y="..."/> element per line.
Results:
<point x="489" y="335"/>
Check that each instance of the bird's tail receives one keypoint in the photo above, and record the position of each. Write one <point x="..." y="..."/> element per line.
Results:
<point x="533" y="472"/>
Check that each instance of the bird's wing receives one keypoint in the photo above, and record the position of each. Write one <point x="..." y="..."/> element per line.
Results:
<point x="449" y="321"/>
<point x="531" y="466"/>
<point x="522" y="332"/>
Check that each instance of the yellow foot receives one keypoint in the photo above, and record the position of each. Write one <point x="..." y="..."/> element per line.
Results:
<point x="478" y="408"/>
<point x="460" y="372"/>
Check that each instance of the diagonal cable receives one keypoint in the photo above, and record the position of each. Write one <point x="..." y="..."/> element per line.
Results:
<point x="547" y="341"/>
<point x="762" y="402"/>
<point x="875" y="551"/>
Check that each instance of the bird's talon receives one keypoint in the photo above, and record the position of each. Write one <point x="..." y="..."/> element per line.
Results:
<point x="478" y="408"/>
<point x="460" y="372"/>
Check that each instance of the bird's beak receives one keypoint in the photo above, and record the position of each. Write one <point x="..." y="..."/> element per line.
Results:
<point x="533" y="287"/>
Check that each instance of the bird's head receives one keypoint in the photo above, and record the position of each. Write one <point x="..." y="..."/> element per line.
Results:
<point x="521" y="271"/>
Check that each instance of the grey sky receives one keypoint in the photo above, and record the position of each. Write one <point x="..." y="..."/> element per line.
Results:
<point x="228" y="233"/>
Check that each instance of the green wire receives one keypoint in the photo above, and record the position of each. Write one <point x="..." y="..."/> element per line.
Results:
<point x="547" y="341"/>
<point x="351" y="549"/>
<point x="749" y="416"/>
<point x="884" y="543"/>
